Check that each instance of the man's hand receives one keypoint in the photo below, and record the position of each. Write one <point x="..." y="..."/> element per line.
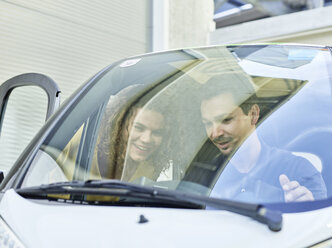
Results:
<point x="293" y="191"/>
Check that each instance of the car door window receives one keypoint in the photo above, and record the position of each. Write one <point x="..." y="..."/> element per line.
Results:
<point x="25" y="114"/>
<point x="26" y="101"/>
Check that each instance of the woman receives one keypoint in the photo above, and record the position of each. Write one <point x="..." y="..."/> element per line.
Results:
<point x="146" y="136"/>
<point x="132" y="141"/>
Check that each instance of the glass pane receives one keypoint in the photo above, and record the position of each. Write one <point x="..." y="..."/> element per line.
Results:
<point x="24" y="116"/>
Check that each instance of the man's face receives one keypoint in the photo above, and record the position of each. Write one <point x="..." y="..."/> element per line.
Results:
<point x="225" y="123"/>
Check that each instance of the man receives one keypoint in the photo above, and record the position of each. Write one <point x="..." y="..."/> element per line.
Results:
<point x="256" y="171"/>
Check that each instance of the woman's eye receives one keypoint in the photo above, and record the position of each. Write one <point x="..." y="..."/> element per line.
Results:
<point x="138" y="128"/>
<point x="227" y="120"/>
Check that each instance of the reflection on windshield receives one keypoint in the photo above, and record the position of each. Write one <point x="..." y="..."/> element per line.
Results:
<point x="286" y="57"/>
<point x="200" y="121"/>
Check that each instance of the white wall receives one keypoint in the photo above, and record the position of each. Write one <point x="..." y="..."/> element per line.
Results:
<point x="69" y="39"/>
<point x="182" y="23"/>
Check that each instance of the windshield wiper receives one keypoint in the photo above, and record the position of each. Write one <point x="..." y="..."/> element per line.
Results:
<point x="272" y="218"/>
<point x="125" y="190"/>
<point x="94" y="187"/>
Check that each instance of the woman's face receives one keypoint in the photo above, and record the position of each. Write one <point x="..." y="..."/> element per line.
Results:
<point x="146" y="134"/>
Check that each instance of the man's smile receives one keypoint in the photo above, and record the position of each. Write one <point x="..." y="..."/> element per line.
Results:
<point x="223" y="143"/>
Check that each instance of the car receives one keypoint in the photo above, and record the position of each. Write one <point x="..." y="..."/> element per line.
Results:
<point x="217" y="146"/>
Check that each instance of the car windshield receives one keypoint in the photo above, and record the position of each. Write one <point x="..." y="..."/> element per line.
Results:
<point x="246" y="123"/>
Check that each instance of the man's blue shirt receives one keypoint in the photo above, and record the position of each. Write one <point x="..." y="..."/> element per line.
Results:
<point x="261" y="184"/>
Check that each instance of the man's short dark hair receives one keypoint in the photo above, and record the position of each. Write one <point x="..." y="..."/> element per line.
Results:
<point x="239" y="85"/>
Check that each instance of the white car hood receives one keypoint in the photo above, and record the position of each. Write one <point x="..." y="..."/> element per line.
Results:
<point x="44" y="224"/>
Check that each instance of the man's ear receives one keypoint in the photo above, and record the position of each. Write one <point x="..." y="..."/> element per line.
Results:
<point x="254" y="114"/>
